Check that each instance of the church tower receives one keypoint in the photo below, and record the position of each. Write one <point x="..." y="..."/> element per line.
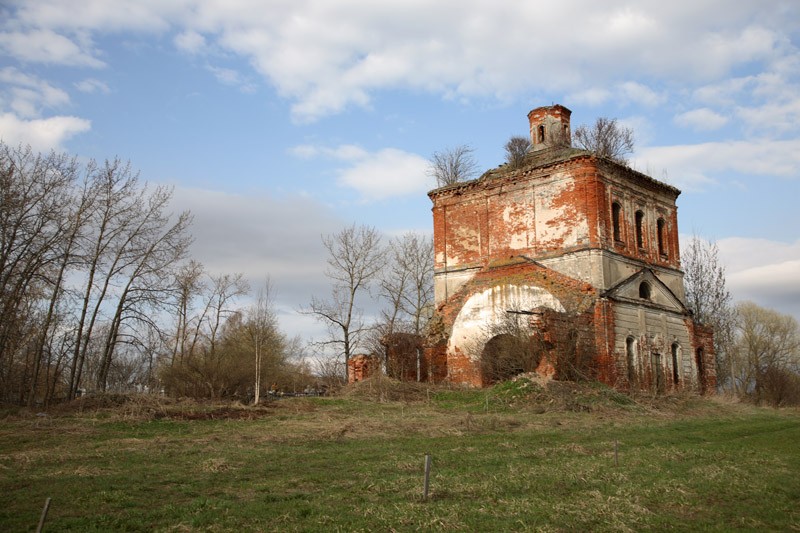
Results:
<point x="549" y="127"/>
<point x="573" y="235"/>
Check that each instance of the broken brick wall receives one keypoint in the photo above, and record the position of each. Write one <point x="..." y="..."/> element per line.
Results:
<point x="361" y="367"/>
<point x="704" y="357"/>
<point x="517" y="275"/>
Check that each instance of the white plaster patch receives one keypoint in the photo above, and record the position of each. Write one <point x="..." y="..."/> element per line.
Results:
<point x="484" y="310"/>
<point x="560" y="225"/>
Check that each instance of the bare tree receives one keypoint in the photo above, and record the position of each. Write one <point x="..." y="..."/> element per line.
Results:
<point x="766" y="354"/>
<point x="199" y="367"/>
<point x="708" y="298"/>
<point x="262" y="331"/>
<point x="453" y="165"/>
<point x="157" y="246"/>
<point x="406" y="284"/>
<point x="407" y="281"/>
<point x="225" y="288"/>
<point x="354" y="261"/>
<point x="606" y="138"/>
<point x="74" y="256"/>
<point x="35" y="196"/>
<point x="116" y="197"/>
<point x="188" y="284"/>
<point x="517" y="148"/>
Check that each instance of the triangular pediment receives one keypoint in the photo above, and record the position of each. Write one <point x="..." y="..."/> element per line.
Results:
<point x="644" y="288"/>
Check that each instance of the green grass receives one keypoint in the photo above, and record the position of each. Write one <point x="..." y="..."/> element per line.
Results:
<point x="524" y="460"/>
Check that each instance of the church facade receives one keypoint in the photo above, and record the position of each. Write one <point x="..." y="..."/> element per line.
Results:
<point x="568" y="264"/>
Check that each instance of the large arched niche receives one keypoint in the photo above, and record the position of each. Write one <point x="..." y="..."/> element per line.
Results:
<point x="484" y="310"/>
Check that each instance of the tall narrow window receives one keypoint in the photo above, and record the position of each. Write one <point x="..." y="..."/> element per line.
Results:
<point x="676" y="373"/>
<point x="639" y="229"/>
<point x="616" y="211"/>
<point x="658" y="372"/>
<point x="662" y="250"/>
<point x="541" y="134"/>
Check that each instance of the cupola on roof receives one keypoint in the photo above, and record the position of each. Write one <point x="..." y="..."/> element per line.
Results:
<point x="550" y="127"/>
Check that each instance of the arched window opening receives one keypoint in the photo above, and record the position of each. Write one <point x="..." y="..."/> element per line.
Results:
<point x="630" y="358"/>
<point x="541" y="134"/>
<point x="676" y="374"/>
<point x="644" y="290"/>
<point x="616" y="212"/>
<point x="662" y="250"/>
<point x="639" y="229"/>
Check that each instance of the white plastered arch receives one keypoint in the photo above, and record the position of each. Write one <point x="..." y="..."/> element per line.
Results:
<point x="484" y="310"/>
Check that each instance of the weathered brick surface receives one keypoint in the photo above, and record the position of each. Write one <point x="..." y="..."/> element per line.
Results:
<point x="360" y="367"/>
<point x="550" y="225"/>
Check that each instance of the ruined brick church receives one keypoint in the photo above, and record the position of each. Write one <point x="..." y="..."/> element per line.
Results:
<point x="579" y="250"/>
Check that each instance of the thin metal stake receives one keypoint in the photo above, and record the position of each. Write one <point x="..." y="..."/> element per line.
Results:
<point x="427" y="476"/>
<point x="44" y="515"/>
<point x="616" y="453"/>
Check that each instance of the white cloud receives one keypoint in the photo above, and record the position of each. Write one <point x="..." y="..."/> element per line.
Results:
<point x="190" y="42"/>
<point x="343" y="152"/>
<point x="91" y="86"/>
<point x="694" y="166"/>
<point x="640" y="94"/>
<point x="23" y="99"/>
<point x="703" y="119"/>
<point x="348" y="152"/>
<point x="595" y="96"/>
<point x="304" y="151"/>
<point x="723" y="93"/>
<point x="47" y="46"/>
<point x="764" y="271"/>
<point x="232" y="77"/>
<point x="772" y="119"/>
<point x="328" y="56"/>
<point x="26" y="95"/>
<point x="41" y="134"/>
<point x="101" y="15"/>
<point x="387" y="173"/>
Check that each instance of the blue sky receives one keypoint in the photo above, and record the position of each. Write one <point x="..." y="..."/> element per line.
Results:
<point x="280" y="121"/>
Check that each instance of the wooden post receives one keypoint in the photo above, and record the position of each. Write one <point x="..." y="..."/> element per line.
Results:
<point x="44" y="515"/>
<point x="427" y="476"/>
<point x="616" y="453"/>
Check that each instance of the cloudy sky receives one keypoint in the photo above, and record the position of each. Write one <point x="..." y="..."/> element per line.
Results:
<point x="278" y="121"/>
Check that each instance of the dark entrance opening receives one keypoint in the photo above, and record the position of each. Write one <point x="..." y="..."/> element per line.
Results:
<point x="506" y="356"/>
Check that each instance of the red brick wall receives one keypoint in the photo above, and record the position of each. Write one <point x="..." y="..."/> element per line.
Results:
<point x="360" y="367"/>
<point x="703" y="337"/>
<point x="495" y="218"/>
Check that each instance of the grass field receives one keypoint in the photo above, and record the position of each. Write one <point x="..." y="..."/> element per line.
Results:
<point x="518" y="457"/>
